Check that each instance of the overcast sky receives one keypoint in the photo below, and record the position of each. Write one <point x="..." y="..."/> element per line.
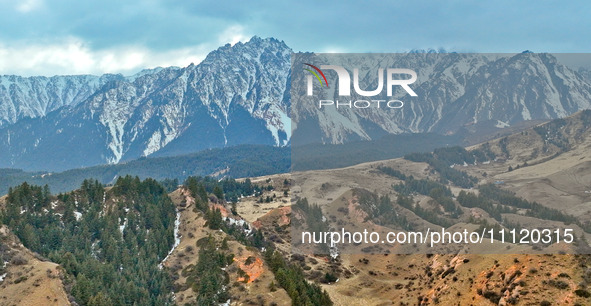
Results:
<point x="49" y="37"/>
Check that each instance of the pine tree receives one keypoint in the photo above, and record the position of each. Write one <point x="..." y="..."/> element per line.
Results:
<point x="100" y="299"/>
<point x="218" y="192"/>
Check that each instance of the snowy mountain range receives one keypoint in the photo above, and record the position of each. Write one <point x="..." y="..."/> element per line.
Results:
<point x="453" y="91"/>
<point x="235" y="96"/>
<point x="37" y="96"/>
<point x="240" y="94"/>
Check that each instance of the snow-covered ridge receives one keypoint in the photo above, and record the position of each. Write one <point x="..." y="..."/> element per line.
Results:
<point x="239" y="95"/>
<point x="32" y="97"/>
<point x="235" y="96"/>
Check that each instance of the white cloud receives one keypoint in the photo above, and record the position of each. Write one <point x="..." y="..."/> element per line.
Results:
<point x="74" y="56"/>
<point x="26" y="6"/>
<point x="333" y="49"/>
<point x="232" y="35"/>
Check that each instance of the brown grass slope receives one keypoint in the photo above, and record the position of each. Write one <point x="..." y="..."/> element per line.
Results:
<point x="193" y="228"/>
<point x="551" y="165"/>
<point x="27" y="278"/>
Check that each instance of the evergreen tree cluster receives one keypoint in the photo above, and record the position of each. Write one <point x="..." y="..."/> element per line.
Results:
<point x="241" y="161"/>
<point x="496" y="201"/>
<point x="380" y="209"/>
<point x="444" y="199"/>
<point x="470" y="200"/>
<point x="109" y="242"/>
<point x="170" y="184"/>
<point x="437" y="191"/>
<point x="227" y="189"/>
<point x="503" y="145"/>
<point x="208" y="277"/>
<point x="312" y="221"/>
<point x="484" y="153"/>
<point x="552" y="133"/>
<point x="441" y="161"/>
<point x="422" y="186"/>
<point x="429" y="215"/>
<point x="211" y="284"/>
<point x="292" y="279"/>
<point x="534" y="209"/>
<point x="202" y="187"/>
<point x="392" y="172"/>
<point x="314" y="156"/>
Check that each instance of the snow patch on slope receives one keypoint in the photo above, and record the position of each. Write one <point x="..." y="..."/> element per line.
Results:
<point x="177" y="237"/>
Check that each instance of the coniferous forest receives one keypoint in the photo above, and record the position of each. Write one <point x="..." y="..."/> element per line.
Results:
<point x="110" y="242"/>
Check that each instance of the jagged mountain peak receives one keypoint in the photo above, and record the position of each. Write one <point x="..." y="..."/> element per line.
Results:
<point x="252" y="49"/>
